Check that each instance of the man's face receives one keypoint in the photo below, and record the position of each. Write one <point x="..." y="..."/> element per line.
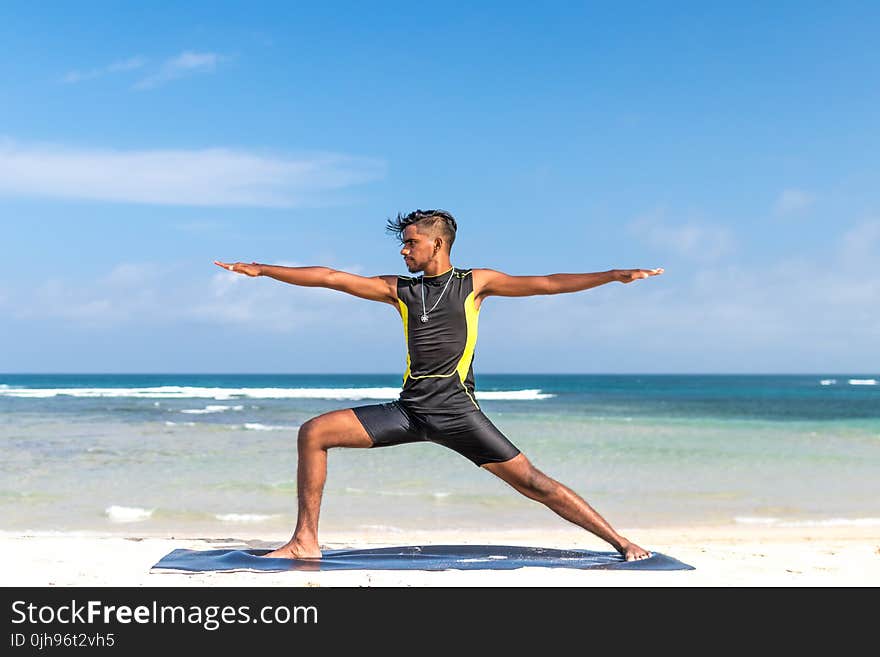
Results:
<point x="417" y="250"/>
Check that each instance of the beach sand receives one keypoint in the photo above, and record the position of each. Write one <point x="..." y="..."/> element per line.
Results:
<point x="723" y="556"/>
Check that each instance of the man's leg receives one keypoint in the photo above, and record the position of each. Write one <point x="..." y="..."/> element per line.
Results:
<point x="534" y="484"/>
<point x="316" y="436"/>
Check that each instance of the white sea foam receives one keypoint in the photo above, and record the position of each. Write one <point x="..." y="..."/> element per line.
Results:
<point x="256" y="426"/>
<point x="244" y="517"/>
<point x="226" y="394"/>
<point x="212" y="409"/>
<point x="828" y="382"/>
<point x="863" y="382"/>
<point x="220" y="394"/>
<point x="513" y="394"/>
<point x="824" y="522"/>
<point x="127" y="513"/>
<point x="169" y="423"/>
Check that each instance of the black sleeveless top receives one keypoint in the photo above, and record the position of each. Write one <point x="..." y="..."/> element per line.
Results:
<point x="439" y="376"/>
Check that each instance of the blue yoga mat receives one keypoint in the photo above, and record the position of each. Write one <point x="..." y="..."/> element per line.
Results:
<point x="415" y="557"/>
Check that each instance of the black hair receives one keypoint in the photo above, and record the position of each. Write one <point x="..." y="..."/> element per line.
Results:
<point x="438" y="219"/>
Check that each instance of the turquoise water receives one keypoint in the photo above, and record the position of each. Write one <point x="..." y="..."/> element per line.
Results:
<point x="187" y="453"/>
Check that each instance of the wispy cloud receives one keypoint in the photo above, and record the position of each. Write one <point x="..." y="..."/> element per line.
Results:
<point x="695" y="240"/>
<point x="809" y="314"/>
<point x="208" y="177"/>
<point x="185" y="64"/>
<point x="163" y="294"/>
<point x="123" y="65"/>
<point x="860" y="245"/>
<point x="793" y="201"/>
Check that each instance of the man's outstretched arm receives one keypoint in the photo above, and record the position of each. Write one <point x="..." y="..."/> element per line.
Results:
<point x="375" y="288"/>
<point x="489" y="282"/>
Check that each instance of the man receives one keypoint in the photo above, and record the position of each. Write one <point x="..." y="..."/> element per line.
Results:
<point x="437" y="402"/>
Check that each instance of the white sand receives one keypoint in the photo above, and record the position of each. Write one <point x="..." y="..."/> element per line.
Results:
<point x="732" y="555"/>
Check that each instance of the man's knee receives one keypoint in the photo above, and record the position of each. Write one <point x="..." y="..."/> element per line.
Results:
<point x="310" y="434"/>
<point x="333" y="429"/>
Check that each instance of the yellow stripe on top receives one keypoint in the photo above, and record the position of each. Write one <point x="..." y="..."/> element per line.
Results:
<point x="472" y="316"/>
<point x="404" y="315"/>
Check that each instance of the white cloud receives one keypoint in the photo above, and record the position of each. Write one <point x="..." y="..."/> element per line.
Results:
<point x="173" y="68"/>
<point x="792" y="201"/>
<point x="860" y="243"/>
<point x="185" y="64"/>
<point x="695" y="240"/>
<point x="150" y="294"/>
<point x="207" y="177"/>
<point x="130" y="64"/>
<point x="795" y="314"/>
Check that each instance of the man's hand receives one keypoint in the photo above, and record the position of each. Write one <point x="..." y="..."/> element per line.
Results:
<point x="252" y="269"/>
<point x="629" y="275"/>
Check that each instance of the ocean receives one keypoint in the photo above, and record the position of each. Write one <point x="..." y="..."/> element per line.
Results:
<point x="188" y="454"/>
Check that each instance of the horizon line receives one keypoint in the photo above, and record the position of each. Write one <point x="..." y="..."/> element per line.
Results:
<point x="475" y="374"/>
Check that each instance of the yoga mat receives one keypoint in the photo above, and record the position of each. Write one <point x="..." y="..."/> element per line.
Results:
<point x="414" y="557"/>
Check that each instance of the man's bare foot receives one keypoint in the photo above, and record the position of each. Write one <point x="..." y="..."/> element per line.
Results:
<point x="632" y="552"/>
<point x="295" y="550"/>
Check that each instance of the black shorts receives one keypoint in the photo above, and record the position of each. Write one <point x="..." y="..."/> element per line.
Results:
<point x="470" y="434"/>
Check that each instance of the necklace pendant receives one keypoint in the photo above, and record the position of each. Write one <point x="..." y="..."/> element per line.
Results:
<point x="424" y="319"/>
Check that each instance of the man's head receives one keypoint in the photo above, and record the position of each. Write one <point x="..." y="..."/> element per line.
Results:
<point x="424" y="235"/>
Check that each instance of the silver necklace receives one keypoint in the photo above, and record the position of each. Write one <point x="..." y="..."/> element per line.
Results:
<point x="424" y="316"/>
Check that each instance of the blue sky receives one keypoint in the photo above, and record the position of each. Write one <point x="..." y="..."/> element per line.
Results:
<point x="736" y="146"/>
